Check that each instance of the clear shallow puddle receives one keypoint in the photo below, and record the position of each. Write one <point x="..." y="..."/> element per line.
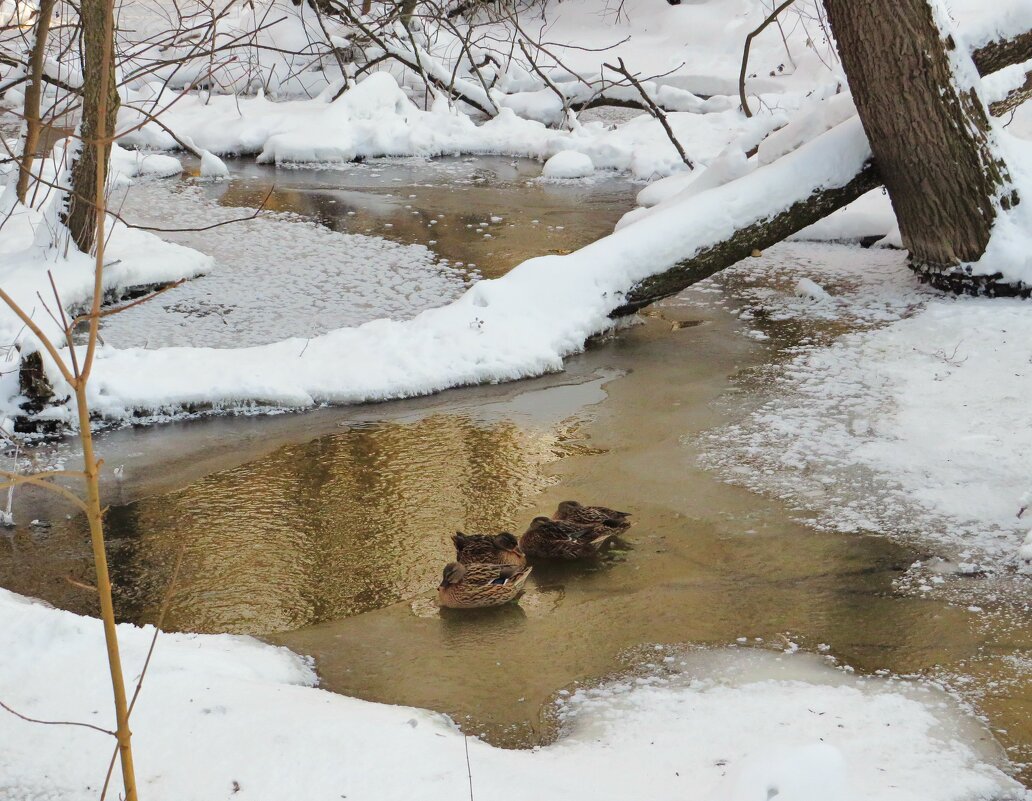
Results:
<point x="327" y="532"/>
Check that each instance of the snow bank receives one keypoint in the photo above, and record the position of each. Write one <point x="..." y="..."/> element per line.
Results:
<point x="134" y="258"/>
<point x="128" y="164"/>
<point x="221" y="714"/>
<point x="376" y="118"/>
<point x="520" y="325"/>
<point x="1007" y="19"/>
<point x="694" y="46"/>
<point x="915" y="425"/>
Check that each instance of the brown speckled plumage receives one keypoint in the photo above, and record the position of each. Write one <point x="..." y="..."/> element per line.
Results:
<point x="592" y="515"/>
<point x="562" y="539"/>
<point x="476" y="585"/>
<point x="499" y="549"/>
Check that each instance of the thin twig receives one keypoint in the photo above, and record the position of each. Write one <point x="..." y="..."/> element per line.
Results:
<point x="745" y="52"/>
<point x="469" y="770"/>
<point x="65" y="327"/>
<point x="56" y="722"/>
<point x="653" y="109"/>
<point x="81" y="585"/>
<point x="82" y="318"/>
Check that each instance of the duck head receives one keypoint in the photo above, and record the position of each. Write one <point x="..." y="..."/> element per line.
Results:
<point x="507" y="542"/>
<point x="569" y="506"/>
<point x="454" y="572"/>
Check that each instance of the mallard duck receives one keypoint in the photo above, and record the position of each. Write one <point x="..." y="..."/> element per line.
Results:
<point x="592" y="515"/>
<point x="500" y="549"/>
<point x="469" y="586"/>
<point x="563" y="539"/>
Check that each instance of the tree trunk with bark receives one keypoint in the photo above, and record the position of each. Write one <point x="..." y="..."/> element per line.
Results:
<point x="96" y="132"/>
<point x="928" y="130"/>
<point x="757" y="235"/>
<point x="33" y="92"/>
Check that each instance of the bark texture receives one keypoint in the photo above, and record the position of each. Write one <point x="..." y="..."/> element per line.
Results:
<point x="33" y="93"/>
<point x="994" y="56"/>
<point x="96" y="131"/>
<point x="758" y="235"/>
<point x="929" y="134"/>
<point x="1015" y="97"/>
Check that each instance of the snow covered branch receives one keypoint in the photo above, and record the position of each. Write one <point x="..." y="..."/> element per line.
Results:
<point x="1002" y="53"/>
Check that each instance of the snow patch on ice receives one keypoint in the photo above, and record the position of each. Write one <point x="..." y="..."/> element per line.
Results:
<point x="914" y="424"/>
<point x="274" y="277"/>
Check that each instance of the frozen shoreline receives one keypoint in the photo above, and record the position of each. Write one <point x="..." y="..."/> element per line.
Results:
<point x="219" y="712"/>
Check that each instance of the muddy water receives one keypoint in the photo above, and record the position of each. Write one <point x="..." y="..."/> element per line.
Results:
<point x="332" y="544"/>
<point x="484" y="213"/>
<point x="326" y="532"/>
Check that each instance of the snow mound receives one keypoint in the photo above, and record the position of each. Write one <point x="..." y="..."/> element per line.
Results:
<point x="568" y="164"/>
<point x="807" y="288"/>
<point x="212" y="166"/>
<point x="128" y="164"/>
<point x="241" y="714"/>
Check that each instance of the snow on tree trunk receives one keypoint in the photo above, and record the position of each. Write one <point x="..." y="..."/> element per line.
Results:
<point x="767" y="230"/>
<point x="928" y="130"/>
<point x="79" y="214"/>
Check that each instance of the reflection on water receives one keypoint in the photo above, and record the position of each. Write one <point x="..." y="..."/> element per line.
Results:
<point x="332" y="546"/>
<point x="488" y="212"/>
<point x="330" y="528"/>
<point x="417" y="234"/>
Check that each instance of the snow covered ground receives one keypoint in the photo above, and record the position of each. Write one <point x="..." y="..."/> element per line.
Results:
<point x="912" y="423"/>
<point x="377" y="118"/>
<point x="225" y="716"/>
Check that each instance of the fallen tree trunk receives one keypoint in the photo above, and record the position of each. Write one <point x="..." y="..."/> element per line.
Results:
<point x="1014" y="98"/>
<point x="994" y="56"/>
<point x="747" y="240"/>
<point x="763" y="233"/>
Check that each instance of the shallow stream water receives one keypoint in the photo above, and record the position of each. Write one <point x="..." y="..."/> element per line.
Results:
<point x="326" y="532"/>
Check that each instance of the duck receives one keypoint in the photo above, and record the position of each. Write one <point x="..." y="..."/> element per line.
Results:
<point x="499" y="549"/>
<point x="575" y="512"/>
<point x="564" y="539"/>
<point x="478" y="585"/>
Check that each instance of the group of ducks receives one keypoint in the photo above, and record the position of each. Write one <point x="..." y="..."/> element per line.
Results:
<point x="491" y="570"/>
